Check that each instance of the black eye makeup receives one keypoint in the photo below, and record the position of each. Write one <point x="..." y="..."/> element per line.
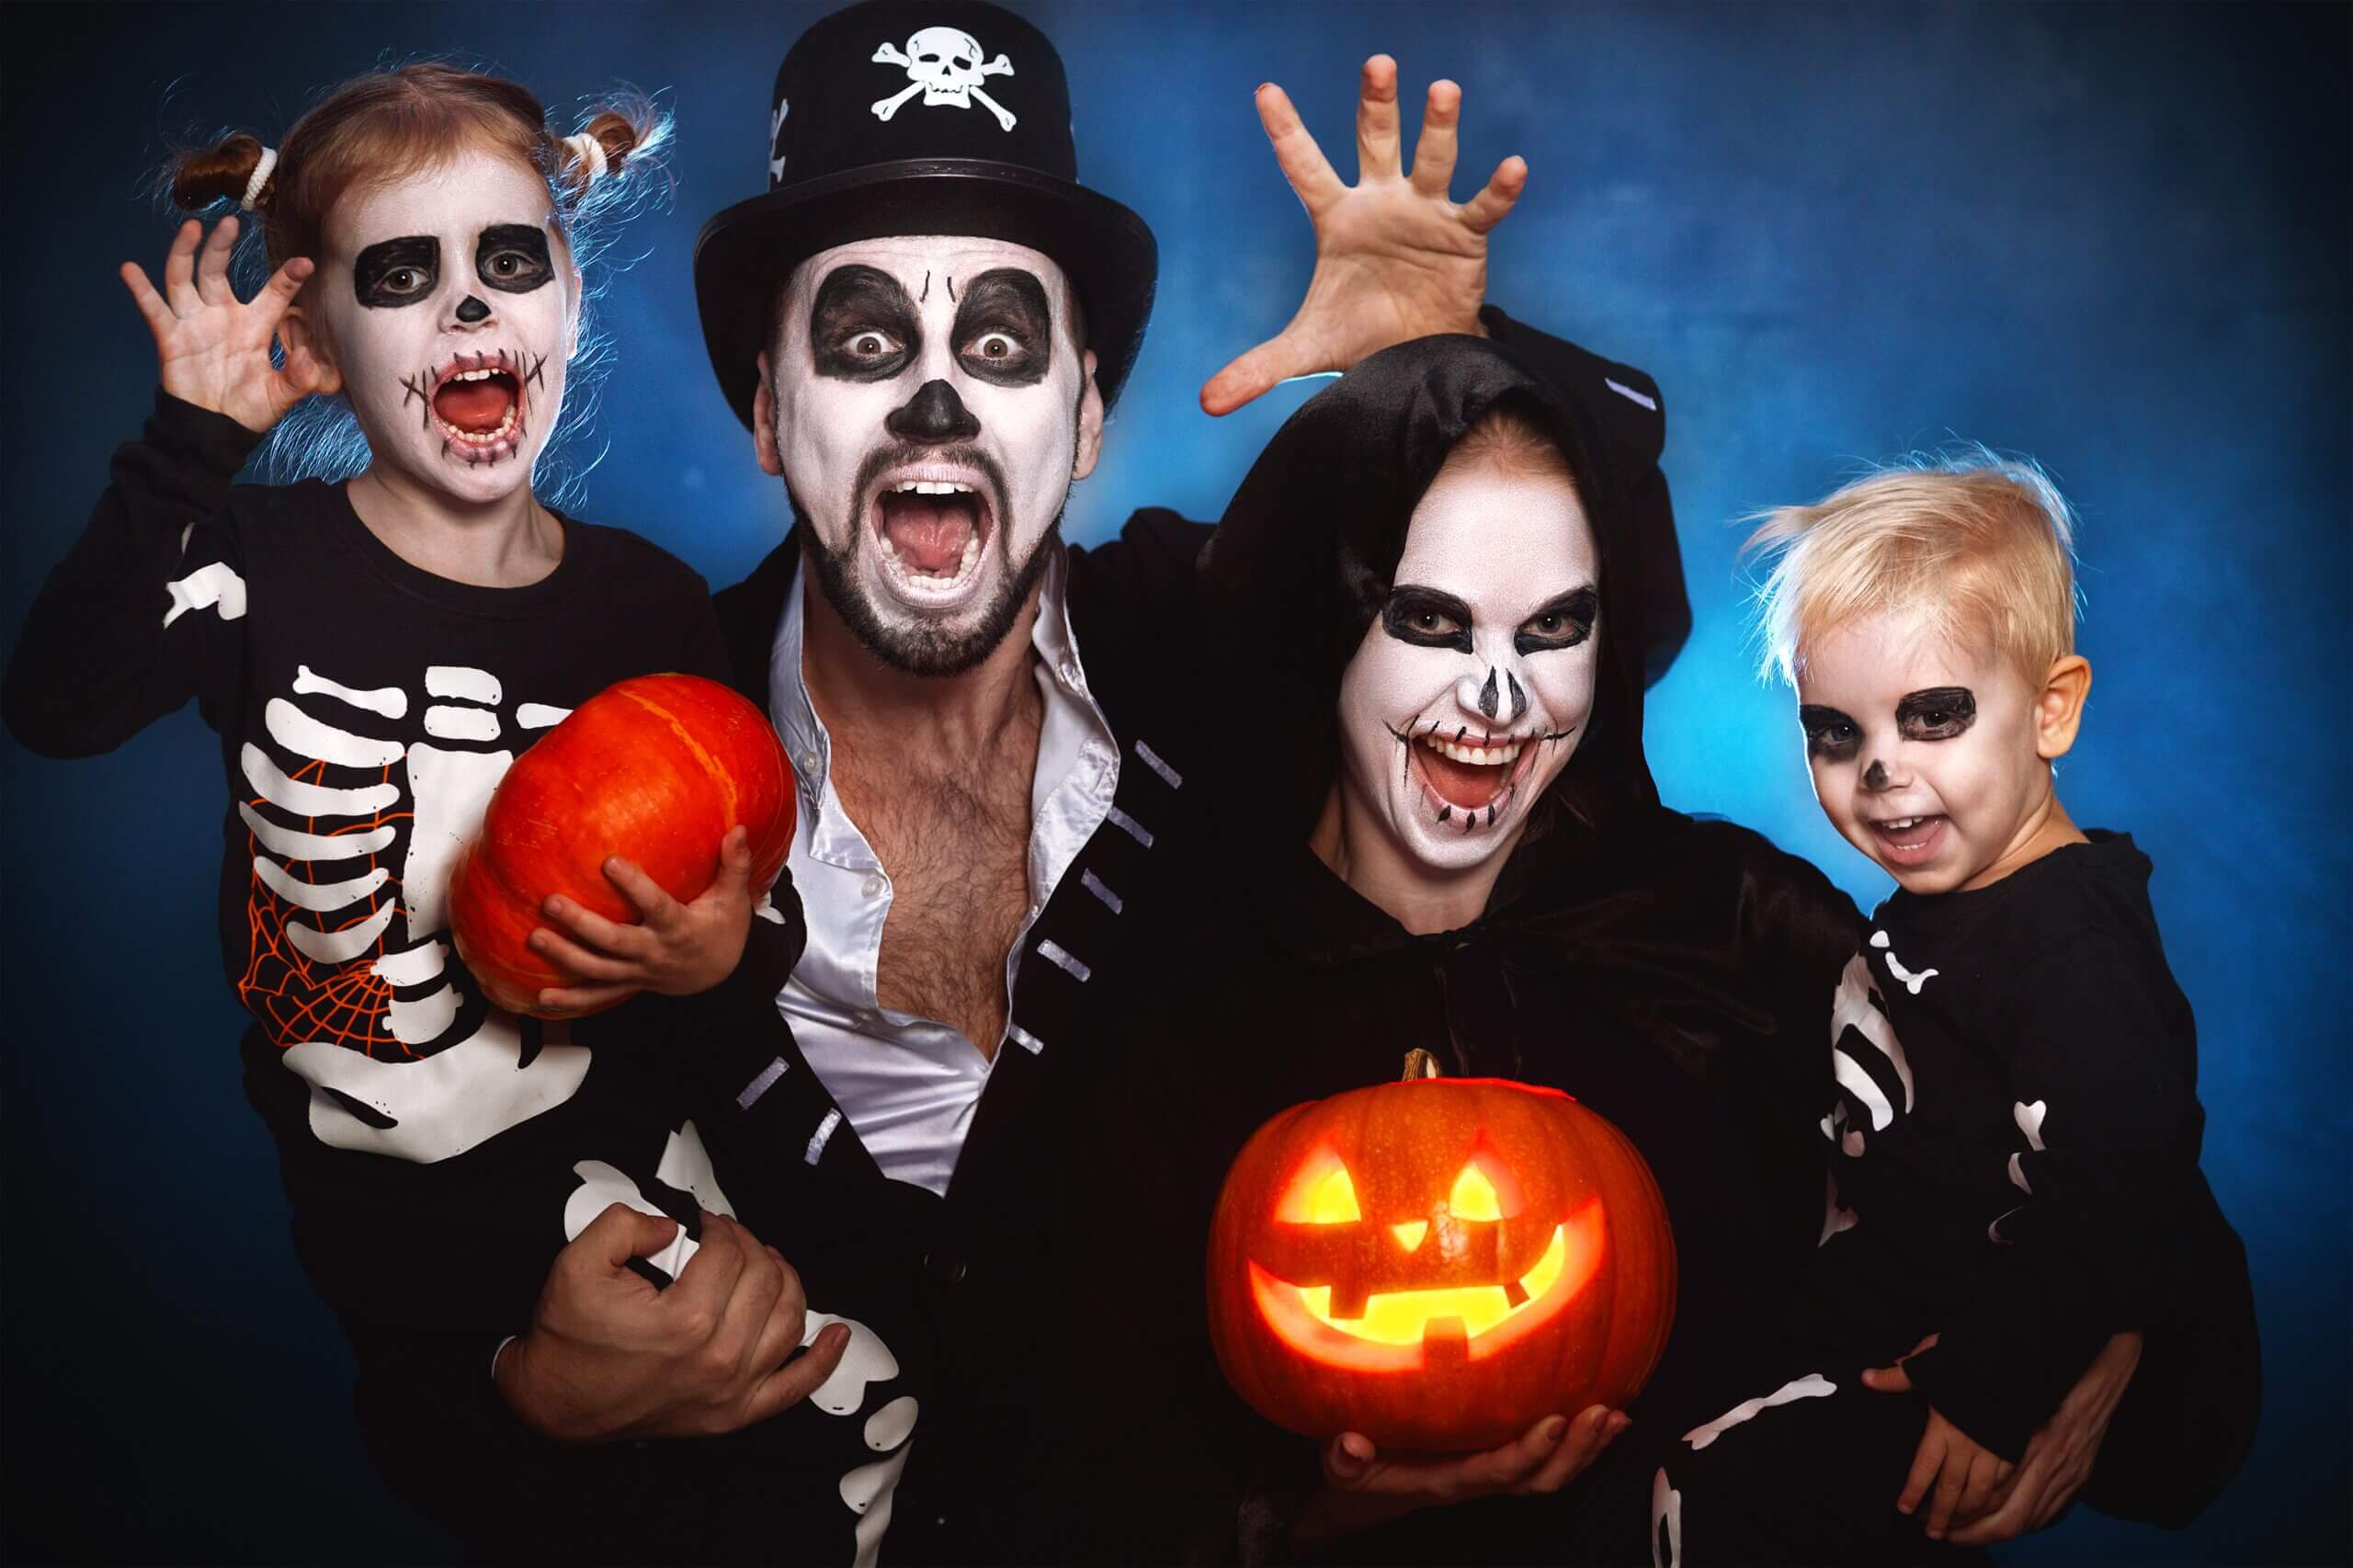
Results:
<point x="1428" y="617"/>
<point x="513" y="257"/>
<point x="863" y="326"/>
<point x="1938" y="713"/>
<point x="1829" y="734"/>
<point x="392" y="273"/>
<point x="1563" y="622"/>
<point x="1003" y="328"/>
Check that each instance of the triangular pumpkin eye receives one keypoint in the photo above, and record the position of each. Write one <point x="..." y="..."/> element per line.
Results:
<point x="1334" y="1202"/>
<point x="1322" y="1193"/>
<point x="1473" y="1196"/>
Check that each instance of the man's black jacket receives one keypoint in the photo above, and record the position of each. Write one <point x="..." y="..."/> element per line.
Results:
<point x="1076" y="1417"/>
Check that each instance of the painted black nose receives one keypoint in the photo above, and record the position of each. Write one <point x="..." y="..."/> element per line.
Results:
<point x="934" y="414"/>
<point x="1875" y="776"/>
<point x="472" y="310"/>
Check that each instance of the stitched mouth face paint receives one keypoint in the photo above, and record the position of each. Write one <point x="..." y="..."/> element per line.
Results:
<point x="931" y="412"/>
<point x="1471" y="688"/>
<point x="479" y="403"/>
<point x="456" y="370"/>
<point x="1923" y="755"/>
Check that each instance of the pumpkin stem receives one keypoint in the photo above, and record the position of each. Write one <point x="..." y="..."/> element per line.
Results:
<point x="1420" y="1063"/>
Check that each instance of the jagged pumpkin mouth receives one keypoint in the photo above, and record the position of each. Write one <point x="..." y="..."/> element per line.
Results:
<point x="1400" y="1330"/>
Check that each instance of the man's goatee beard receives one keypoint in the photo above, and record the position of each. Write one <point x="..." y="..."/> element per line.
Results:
<point x="920" y="650"/>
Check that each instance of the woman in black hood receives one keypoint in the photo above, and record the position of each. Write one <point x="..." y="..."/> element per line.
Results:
<point x="1429" y="824"/>
<point x="1433" y="826"/>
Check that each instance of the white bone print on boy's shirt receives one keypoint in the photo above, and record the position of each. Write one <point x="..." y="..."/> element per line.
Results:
<point x="1910" y="980"/>
<point x="365" y="1010"/>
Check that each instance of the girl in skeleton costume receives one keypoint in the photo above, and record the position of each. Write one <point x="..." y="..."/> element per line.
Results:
<point x="373" y="652"/>
<point x="1437" y="829"/>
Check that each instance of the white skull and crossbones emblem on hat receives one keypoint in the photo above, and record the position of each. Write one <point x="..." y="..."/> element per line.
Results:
<point x="944" y="65"/>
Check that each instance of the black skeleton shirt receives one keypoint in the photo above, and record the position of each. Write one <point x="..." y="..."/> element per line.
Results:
<point x="438" y="1152"/>
<point x="2016" y="1126"/>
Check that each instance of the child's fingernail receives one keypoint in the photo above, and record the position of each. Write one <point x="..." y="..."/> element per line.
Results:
<point x="1555" y="1429"/>
<point x="1619" y="1422"/>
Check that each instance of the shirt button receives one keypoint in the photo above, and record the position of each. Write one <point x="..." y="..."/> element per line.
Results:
<point x="874" y="885"/>
<point x="944" y="1268"/>
<point x="807" y="763"/>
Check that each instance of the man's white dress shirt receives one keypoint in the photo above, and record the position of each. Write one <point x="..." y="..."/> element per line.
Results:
<point x="908" y="1085"/>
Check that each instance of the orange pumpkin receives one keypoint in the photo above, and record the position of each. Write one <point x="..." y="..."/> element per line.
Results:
<point x="1438" y="1264"/>
<point x="657" y="769"/>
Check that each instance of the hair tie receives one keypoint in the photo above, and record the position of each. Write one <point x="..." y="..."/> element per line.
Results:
<point x="589" y="151"/>
<point x="262" y="169"/>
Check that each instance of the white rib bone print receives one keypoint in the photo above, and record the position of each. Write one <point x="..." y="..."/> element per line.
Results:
<point x="363" y="993"/>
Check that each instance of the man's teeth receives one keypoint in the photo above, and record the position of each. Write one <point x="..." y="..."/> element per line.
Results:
<point x="1477" y="756"/>
<point x="930" y="488"/>
<point x="476" y="375"/>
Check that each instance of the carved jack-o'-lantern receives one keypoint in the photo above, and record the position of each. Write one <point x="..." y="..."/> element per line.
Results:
<point x="1439" y="1263"/>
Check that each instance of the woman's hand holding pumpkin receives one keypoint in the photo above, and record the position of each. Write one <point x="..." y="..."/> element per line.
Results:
<point x="1362" y="1488"/>
<point x="214" y="351"/>
<point x="677" y="949"/>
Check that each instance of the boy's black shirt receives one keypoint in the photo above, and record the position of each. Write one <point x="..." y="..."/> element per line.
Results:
<point x="2020" y="1151"/>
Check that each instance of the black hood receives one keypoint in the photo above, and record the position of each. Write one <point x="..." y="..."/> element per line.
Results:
<point x="1305" y="556"/>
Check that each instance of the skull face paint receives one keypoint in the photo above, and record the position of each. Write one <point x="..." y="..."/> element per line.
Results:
<point x="452" y="334"/>
<point x="1923" y="755"/>
<point x="930" y="410"/>
<point x="1470" y="689"/>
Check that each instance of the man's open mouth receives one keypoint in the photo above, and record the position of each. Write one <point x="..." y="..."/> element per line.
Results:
<point x="931" y="529"/>
<point x="478" y="404"/>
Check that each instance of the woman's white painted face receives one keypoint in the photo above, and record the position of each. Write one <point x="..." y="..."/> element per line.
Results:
<point x="1471" y="689"/>
<point x="931" y="408"/>
<point x="1923" y="755"/>
<point x="450" y="305"/>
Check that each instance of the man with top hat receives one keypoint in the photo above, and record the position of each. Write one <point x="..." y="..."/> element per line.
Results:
<point x="923" y="323"/>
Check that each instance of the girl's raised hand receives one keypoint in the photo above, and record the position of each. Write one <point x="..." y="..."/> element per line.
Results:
<point x="212" y="350"/>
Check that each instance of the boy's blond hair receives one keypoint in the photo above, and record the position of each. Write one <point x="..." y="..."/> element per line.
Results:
<point x="1982" y="543"/>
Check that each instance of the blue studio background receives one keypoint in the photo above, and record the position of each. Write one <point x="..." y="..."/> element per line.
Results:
<point x="2113" y="237"/>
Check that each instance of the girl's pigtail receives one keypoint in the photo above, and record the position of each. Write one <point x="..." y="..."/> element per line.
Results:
<point x="628" y="131"/>
<point x="237" y="168"/>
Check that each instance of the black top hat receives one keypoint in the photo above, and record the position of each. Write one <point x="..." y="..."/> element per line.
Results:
<point x="921" y="117"/>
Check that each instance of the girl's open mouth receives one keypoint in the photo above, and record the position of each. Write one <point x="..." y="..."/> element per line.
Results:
<point x="478" y="405"/>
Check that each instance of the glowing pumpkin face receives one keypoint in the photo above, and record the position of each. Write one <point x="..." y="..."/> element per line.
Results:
<point x="1438" y="1264"/>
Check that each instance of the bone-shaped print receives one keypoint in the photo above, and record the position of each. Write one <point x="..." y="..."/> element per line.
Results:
<point x="885" y="107"/>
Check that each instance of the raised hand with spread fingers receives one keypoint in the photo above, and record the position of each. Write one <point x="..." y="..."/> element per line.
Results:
<point x="1396" y="257"/>
<point x="212" y="349"/>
